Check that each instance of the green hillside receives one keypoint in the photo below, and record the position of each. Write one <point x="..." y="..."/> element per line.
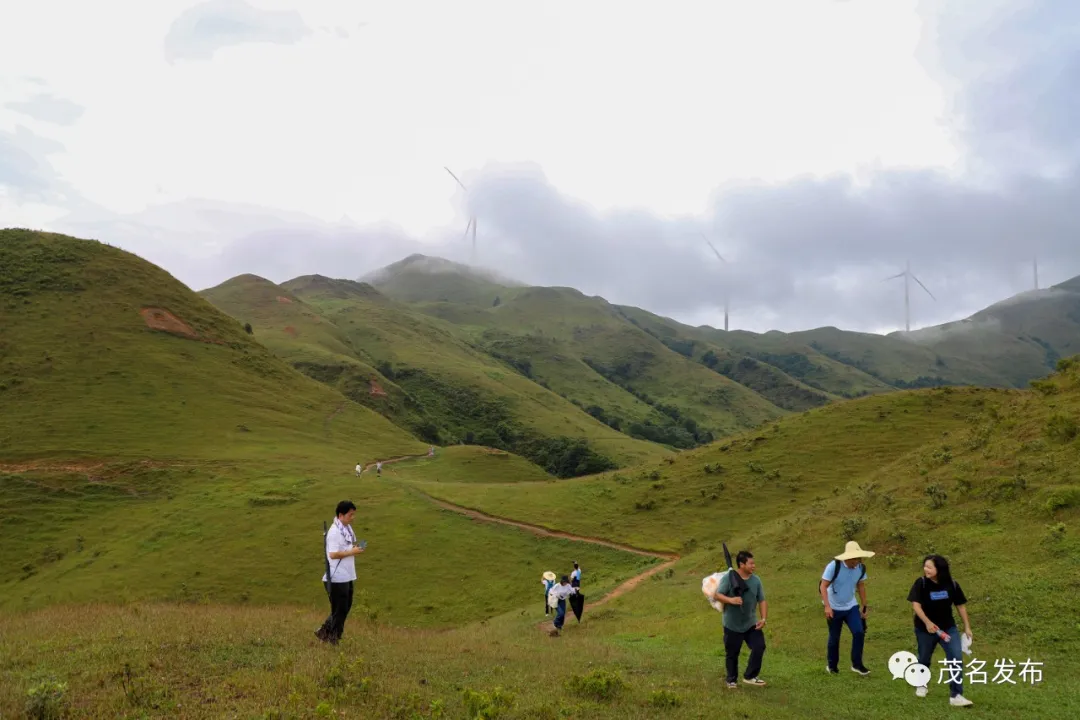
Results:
<point x="585" y="350"/>
<point x="302" y="336"/>
<point x="162" y="493"/>
<point x="142" y="463"/>
<point x="469" y="395"/>
<point x="106" y="355"/>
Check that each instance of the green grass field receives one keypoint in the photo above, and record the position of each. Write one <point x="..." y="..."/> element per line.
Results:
<point x="162" y="499"/>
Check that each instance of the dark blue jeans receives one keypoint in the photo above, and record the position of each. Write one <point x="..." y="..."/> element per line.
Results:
<point x="927" y="642"/>
<point x="858" y="636"/>
<point x="560" y="614"/>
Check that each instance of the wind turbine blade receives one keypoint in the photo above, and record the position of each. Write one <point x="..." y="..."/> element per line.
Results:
<point x="715" y="251"/>
<point x="924" y="287"/>
<point x="469" y="227"/>
<point x="456" y="179"/>
<point x="893" y="277"/>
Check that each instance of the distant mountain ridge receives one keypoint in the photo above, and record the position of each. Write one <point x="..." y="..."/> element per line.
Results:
<point x="460" y="354"/>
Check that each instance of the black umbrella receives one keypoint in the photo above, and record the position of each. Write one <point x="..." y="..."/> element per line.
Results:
<point x="738" y="585"/>
<point x="577" y="604"/>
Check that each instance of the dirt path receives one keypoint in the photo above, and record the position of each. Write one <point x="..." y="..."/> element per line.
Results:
<point x="621" y="589"/>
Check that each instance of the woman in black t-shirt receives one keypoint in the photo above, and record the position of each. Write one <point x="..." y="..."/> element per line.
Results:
<point x="932" y="598"/>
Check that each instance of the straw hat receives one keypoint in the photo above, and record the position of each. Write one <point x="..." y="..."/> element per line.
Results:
<point x="852" y="550"/>
<point x="548" y="575"/>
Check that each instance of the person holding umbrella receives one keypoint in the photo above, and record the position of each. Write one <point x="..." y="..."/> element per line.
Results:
<point x="559" y="593"/>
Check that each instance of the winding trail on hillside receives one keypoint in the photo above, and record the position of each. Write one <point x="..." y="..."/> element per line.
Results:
<point x="621" y="589"/>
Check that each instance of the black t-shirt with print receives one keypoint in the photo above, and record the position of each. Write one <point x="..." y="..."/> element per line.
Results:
<point x="937" y="602"/>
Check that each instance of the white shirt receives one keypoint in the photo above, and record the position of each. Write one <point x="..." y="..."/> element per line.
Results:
<point x="339" y="538"/>
<point x="576" y="575"/>
<point x="561" y="592"/>
<point x="359" y="468"/>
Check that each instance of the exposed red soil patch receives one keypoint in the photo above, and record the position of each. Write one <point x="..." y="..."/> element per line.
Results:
<point x="283" y="299"/>
<point x="161" y="319"/>
<point x="290" y="330"/>
<point x="376" y="389"/>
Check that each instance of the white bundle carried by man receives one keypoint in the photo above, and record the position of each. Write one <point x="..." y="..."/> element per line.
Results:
<point x="709" y="585"/>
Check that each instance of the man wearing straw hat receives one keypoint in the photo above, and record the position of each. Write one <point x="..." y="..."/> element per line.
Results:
<point x="548" y="579"/>
<point x="839" y="582"/>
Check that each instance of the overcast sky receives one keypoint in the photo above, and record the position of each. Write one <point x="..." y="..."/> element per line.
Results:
<point x="820" y="144"/>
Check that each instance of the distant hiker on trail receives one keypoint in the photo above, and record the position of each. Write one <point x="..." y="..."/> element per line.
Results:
<point x="359" y="469"/>
<point x="740" y="619"/>
<point x="431" y="451"/>
<point x="839" y="581"/>
<point x="932" y="598"/>
<point x="575" y="577"/>
<point x="341" y="549"/>
<point x="378" y="469"/>
<point x="548" y="581"/>
<point x="559" y="593"/>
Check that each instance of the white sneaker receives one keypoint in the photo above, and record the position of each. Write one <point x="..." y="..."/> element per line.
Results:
<point x="920" y="692"/>
<point x="960" y="701"/>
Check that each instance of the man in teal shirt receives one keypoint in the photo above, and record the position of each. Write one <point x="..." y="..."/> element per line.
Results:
<point x="741" y="623"/>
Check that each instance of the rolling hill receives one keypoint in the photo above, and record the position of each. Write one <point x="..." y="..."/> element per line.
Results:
<point x="106" y="355"/>
<point x="415" y="371"/>
<point x="163" y="476"/>
<point x="148" y="444"/>
<point x="1006" y="345"/>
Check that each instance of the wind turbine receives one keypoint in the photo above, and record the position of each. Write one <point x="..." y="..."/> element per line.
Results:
<point x="472" y="218"/>
<point x="1036" y="272"/>
<point x="726" y="296"/>
<point x="907" y="275"/>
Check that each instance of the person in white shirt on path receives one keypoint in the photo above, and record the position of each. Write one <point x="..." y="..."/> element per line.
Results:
<point x="359" y="469"/>
<point x="559" y="593"/>
<point x="341" y="551"/>
<point x="575" y="577"/>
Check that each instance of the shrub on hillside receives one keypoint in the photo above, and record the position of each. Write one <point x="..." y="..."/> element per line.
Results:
<point x="937" y="496"/>
<point x="599" y="685"/>
<point x="47" y="700"/>
<point x="486" y="706"/>
<point x="1062" y="428"/>
<point x="852" y="526"/>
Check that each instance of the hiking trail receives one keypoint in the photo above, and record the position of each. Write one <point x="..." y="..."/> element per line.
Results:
<point x="619" y="590"/>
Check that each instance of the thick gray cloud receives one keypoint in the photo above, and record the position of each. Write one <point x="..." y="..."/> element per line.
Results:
<point x="48" y="108"/>
<point x="202" y="30"/>
<point x="815" y="251"/>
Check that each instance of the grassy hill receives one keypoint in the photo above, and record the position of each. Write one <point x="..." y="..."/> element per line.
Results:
<point x="158" y="561"/>
<point x="471" y="396"/>
<point x="149" y="446"/>
<point x="584" y="349"/>
<point x="305" y="338"/>
<point x="106" y="355"/>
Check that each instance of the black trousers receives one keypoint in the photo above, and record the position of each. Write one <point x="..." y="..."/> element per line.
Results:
<point x="733" y="641"/>
<point x="341" y="595"/>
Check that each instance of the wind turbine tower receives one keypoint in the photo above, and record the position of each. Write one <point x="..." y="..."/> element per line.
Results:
<point x="907" y="275"/>
<point x="726" y="294"/>
<point x="1036" y="273"/>
<point x="472" y="218"/>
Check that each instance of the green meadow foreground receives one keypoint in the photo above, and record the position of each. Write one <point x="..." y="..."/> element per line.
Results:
<point x="163" y="488"/>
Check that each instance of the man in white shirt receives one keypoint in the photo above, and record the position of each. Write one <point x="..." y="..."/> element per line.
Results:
<point x="575" y="577"/>
<point x="359" y="469"/>
<point x="341" y="550"/>
<point x="559" y="593"/>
